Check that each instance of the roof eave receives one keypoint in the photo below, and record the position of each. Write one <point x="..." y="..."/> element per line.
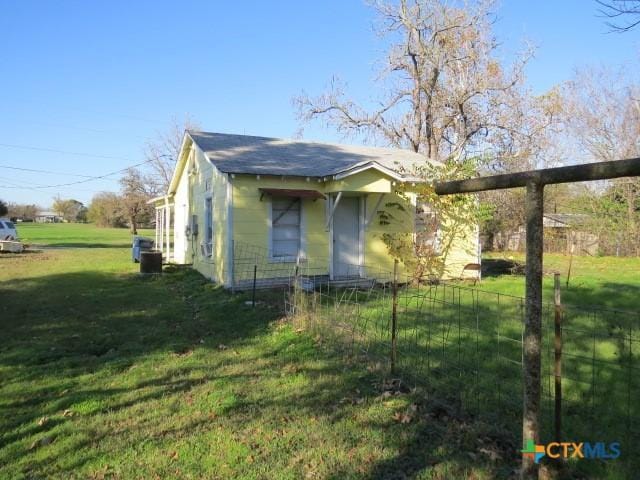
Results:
<point x="375" y="166"/>
<point x="182" y="159"/>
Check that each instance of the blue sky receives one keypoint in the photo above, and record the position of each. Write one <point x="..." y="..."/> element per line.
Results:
<point x="104" y="77"/>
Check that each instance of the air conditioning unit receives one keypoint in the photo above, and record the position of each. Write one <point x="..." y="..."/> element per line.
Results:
<point x="206" y="249"/>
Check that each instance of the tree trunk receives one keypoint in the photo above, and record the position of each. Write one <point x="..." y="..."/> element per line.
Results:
<point x="133" y="226"/>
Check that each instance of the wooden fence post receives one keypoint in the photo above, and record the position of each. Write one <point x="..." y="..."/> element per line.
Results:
<point x="394" y="318"/>
<point x="558" y="358"/>
<point x="532" y="325"/>
<point x="534" y="181"/>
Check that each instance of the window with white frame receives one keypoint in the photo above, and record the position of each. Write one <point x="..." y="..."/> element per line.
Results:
<point x="207" y="242"/>
<point x="285" y="227"/>
<point x="427" y="226"/>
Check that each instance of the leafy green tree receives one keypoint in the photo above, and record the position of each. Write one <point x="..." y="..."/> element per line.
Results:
<point x="68" y="209"/>
<point x="105" y="210"/>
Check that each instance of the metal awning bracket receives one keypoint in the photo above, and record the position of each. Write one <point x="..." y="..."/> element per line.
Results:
<point x="374" y="211"/>
<point x="333" y="209"/>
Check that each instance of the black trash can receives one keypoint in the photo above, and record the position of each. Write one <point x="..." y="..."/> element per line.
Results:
<point x="150" y="262"/>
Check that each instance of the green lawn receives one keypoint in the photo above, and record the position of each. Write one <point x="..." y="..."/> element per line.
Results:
<point x="611" y="282"/>
<point x="76" y="235"/>
<point x="104" y="374"/>
<point x="464" y="346"/>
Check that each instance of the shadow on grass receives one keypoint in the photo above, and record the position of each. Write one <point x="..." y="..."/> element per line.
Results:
<point x="495" y="267"/>
<point x="464" y="347"/>
<point x="60" y="329"/>
<point x="609" y="295"/>
<point x="51" y="246"/>
<point x="88" y="344"/>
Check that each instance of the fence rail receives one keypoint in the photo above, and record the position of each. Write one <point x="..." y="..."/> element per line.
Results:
<point x="464" y="345"/>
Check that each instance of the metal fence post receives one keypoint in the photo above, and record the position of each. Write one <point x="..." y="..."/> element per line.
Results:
<point x="253" y="289"/>
<point x="558" y="358"/>
<point x="394" y="318"/>
<point x="295" y="290"/>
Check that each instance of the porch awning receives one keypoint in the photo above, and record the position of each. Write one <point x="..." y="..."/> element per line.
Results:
<point x="287" y="192"/>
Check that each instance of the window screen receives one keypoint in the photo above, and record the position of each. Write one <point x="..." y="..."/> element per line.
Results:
<point x="427" y="225"/>
<point x="285" y="227"/>
<point x="208" y="226"/>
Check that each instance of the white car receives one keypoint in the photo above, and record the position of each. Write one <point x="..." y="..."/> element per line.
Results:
<point x="7" y="230"/>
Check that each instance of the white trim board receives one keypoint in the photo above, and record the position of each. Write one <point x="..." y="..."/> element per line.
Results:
<point x="230" y="253"/>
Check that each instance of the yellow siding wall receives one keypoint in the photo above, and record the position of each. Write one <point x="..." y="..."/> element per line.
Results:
<point x="458" y="250"/>
<point x="365" y="182"/>
<point x="213" y="267"/>
<point x="376" y="255"/>
<point x="251" y="228"/>
<point x="461" y="249"/>
<point x="250" y="223"/>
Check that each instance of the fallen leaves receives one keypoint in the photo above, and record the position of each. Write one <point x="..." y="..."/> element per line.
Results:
<point x="408" y="415"/>
<point x="491" y="452"/>
<point x="394" y="386"/>
<point x="42" y="442"/>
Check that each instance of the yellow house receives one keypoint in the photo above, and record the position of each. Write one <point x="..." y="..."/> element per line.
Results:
<point x="242" y="207"/>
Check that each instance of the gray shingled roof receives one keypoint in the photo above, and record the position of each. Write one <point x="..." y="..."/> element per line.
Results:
<point x="273" y="156"/>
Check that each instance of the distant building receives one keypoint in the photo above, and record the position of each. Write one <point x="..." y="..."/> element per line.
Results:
<point x="48" y="217"/>
<point x="563" y="233"/>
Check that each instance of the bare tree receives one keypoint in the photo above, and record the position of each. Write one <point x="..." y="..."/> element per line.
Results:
<point x="604" y="120"/>
<point x="162" y="153"/>
<point x="615" y="10"/>
<point x="135" y="193"/>
<point x="445" y="92"/>
<point x="23" y="211"/>
<point x="446" y="95"/>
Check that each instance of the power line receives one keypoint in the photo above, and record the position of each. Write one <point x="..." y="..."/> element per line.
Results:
<point x="37" y="187"/>
<point x="86" y="178"/>
<point x="97" y="177"/>
<point x="44" y="171"/>
<point x="64" y="152"/>
<point x="15" y="185"/>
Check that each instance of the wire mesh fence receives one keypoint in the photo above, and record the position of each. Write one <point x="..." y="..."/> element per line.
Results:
<point x="464" y="345"/>
<point x="601" y="396"/>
